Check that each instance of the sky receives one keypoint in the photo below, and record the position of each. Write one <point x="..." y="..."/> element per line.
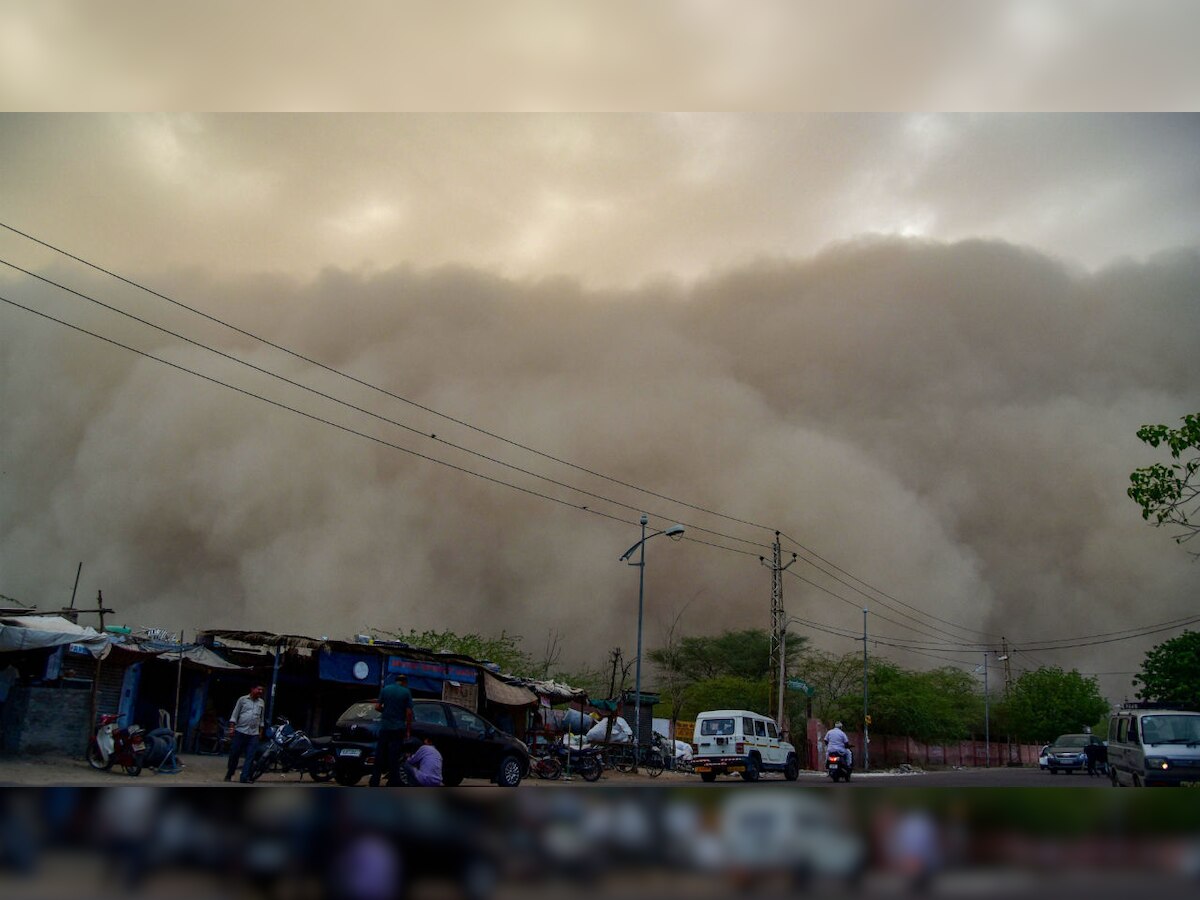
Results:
<point x="479" y="346"/>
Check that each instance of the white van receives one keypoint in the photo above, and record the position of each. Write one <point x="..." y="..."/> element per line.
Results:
<point x="1154" y="746"/>
<point x="737" y="740"/>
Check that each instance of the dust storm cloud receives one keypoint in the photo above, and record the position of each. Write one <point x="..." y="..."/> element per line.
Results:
<point x="953" y="423"/>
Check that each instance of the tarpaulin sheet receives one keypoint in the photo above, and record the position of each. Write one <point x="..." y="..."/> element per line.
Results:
<point x="36" y="632"/>
<point x="506" y="694"/>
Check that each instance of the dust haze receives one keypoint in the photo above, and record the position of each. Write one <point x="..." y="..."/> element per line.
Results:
<point x="952" y="423"/>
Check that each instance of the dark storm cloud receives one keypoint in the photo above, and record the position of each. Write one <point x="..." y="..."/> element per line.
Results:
<point x="952" y="423"/>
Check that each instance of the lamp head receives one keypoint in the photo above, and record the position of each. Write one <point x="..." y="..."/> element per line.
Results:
<point x="675" y="532"/>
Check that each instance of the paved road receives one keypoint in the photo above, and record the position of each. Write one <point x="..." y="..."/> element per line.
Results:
<point x="996" y="777"/>
<point x="209" y="770"/>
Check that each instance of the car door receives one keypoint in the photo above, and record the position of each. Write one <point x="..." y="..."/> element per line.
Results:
<point x="777" y="756"/>
<point x="480" y="752"/>
<point x="431" y="720"/>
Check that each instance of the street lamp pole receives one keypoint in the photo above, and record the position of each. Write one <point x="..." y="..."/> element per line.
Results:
<point x="674" y="532"/>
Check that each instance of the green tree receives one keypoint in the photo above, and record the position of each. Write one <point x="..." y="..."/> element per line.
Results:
<point x="938" y="705"/>
<point x="835" y="681"/>
<point x="1170" y="494"/>
<point x="731" y="670"/>
<point x="1047" y="702"/>
<point x="725" y="692"/>
<point x="1171" y="671"/>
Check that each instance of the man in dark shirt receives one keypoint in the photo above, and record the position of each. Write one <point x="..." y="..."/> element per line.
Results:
<point x="395" y="725"/>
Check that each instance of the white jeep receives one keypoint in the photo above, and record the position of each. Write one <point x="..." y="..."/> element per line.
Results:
<point x="737" y="740"/>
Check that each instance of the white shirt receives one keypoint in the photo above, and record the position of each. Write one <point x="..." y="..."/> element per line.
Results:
<point x="248" y="714"/>
<point x="835" y="739"/>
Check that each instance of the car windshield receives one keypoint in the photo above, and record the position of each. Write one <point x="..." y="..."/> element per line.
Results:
<point x="1073" y="741"/>
<point x="359" y="713"/>
<point x="1171" y="729"/>
<point x="716" y="726"/>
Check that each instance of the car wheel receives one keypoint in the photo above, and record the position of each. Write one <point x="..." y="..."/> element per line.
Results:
<point x="347" y="777"/>
<point x="791" y="771"/>
<point x="1053" y="771"/>
<point x="752" y="769"/>
<point x="708" y="777"/>
<point x="510" y="772"/>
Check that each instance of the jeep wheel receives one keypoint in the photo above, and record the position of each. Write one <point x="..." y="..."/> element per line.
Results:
<point x="752" y="769"/>
<point x="791" y="771"/>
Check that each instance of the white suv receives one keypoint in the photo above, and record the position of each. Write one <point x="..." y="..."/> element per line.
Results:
<point x="737" y="740"/>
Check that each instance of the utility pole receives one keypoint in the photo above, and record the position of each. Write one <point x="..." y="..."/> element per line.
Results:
<point x="987" y="716"/>
<point x="1005" y="658"/>
<point x="779" y="623"/>
<point x="866" y="717"/>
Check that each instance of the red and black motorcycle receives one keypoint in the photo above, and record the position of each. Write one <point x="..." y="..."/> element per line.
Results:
<point x="112" y="745"/>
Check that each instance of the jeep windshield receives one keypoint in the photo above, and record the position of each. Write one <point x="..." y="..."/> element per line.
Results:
<point x="1171" y="729"/>
<point x="709" y="727"/>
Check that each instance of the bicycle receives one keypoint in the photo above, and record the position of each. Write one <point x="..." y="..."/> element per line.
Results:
<point x="647" y="757"/>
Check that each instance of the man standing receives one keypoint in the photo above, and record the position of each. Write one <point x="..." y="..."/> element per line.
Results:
<point x="424" y="768"/>
<point x="395" y="725"/>
<point x="245" y="726"/>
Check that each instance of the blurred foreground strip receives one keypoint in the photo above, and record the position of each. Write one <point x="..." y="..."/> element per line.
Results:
<point x="766" y="839"/>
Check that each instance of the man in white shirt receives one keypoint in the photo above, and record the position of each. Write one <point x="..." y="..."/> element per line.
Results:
<point x="245" y="727"/>
<point x="836" y="739"/>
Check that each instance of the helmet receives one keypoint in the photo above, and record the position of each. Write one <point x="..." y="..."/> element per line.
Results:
<point x="837" y="724"/>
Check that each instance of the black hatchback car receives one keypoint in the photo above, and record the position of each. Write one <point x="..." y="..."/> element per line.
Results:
<point x="471" y="746"/>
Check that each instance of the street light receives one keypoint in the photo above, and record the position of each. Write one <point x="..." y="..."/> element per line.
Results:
<point x="675" y="532"/>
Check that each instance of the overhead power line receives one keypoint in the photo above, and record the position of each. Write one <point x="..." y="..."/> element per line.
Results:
<point x="342" y="374"/>
<point x="884" y="594"/>
<point x="355" y="408"/>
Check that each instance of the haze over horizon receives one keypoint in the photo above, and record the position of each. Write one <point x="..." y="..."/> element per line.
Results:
<point x="918" y="345"/>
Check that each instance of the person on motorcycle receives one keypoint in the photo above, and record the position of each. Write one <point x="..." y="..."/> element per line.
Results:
<point x="424" y="767"/>
<point x="836" y="739"/>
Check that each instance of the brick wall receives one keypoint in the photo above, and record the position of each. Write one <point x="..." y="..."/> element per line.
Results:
<point x="46" y="720"/>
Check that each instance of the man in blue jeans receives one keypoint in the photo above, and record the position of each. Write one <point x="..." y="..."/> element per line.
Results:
<point x="395" y="725"/>
<point x="245" y="726"/>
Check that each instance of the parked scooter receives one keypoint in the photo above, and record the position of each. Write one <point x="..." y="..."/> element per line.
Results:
<point x="289" y="749"/>
<point x="113" y="745"/>
<point x="838" y="766"/>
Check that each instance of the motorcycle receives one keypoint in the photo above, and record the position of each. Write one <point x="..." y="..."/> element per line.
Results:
<point x="838" y="766"/>
<point x="289" y="749"/>
<point x="584" y="762"/>
<point x="113" y="745"/>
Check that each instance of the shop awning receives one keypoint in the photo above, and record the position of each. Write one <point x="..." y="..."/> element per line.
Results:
<point x="506" y="694"/>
